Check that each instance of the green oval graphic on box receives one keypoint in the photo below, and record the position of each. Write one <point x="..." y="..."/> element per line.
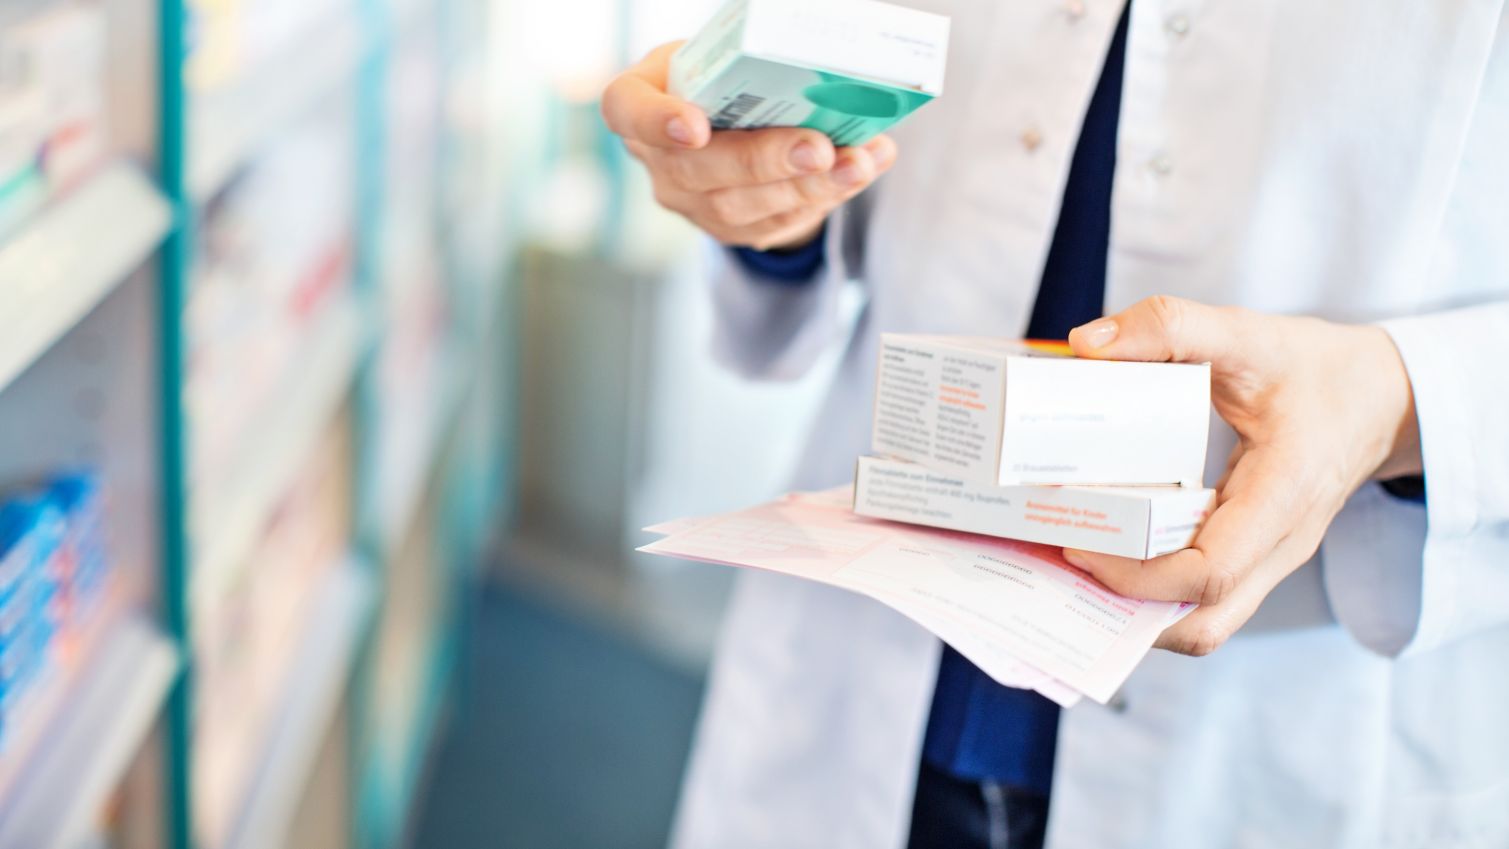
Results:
<point x="851" y="111"/>
<point x="850" y="98"/>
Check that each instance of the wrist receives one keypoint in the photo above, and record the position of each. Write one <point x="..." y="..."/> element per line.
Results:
<point x="798" y="266"/>
<point x="797" y="242"/>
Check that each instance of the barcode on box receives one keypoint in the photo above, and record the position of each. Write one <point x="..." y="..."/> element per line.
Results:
<point x="736" y="111"/>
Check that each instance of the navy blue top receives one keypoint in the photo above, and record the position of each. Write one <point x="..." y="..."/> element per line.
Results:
<point x="979" y="729"/>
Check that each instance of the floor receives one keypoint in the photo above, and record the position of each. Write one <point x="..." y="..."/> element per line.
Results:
<point x="567" y="734"/>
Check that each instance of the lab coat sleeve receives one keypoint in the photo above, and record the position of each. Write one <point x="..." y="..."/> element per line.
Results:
<point x="773" y="331"/>
<point x="1394" y="594"/>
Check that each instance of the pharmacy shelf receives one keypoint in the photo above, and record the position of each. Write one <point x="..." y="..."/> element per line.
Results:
<point x="229" y="124"/>
<point x="91" y="741"/>
<point x="402" y="487"/>
<point x="225" y="525"/>
<point x="421" y="734"/>
<point x="57" y="269"/>
<point x="327" y="654"/>
<point x="213" y="519"/>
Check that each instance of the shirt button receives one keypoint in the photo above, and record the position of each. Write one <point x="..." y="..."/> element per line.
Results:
<point x="1177" y="25"/>
<point x="1161" y="165"/>
<point x="1075" y="9"/>
<point x="1032" y="139"/>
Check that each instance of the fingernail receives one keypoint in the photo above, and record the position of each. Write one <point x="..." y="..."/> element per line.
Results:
<point x="804" y="157"/>
<point x="679" y="132"/>
<point x="849" y="174"/>
<point x="1076" y="559"/>
<point x="1100" y="333"/>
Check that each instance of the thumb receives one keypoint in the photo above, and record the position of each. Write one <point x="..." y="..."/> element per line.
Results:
<point x="1161" y="329"/>
<point x="637" y="107"/>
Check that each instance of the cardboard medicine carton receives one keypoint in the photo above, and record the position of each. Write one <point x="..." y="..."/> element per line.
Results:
<point x="848" y="68"/>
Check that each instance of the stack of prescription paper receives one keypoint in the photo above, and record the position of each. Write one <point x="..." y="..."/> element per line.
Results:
<point x="1016" y="610"/>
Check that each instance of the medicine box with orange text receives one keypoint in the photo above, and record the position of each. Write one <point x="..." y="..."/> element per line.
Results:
<point x="1136" y="522"/>
<point x="1007" y="412"/>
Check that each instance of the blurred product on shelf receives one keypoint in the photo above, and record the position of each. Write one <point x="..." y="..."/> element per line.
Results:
<point x="478" y="195"/>
<point x="415" y="302"/>
<point x="53" y="578"/>
<point x="249" y="639"/>
<point x="83" y="563"/>
<point x="274" y="255"/>
<point x="232" y="37"/>
<point x="52" y="104"/>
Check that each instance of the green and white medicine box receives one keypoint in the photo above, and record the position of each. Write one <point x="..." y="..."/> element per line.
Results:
<point x="849" y="68"/>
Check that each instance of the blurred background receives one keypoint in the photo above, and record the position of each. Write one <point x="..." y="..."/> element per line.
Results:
<point x="342" y="356"/>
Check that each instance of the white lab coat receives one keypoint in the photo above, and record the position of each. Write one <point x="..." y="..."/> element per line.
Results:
<point x="1347" y="159"/>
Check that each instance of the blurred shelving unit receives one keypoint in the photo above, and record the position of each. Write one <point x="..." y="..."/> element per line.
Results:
<point x="418" y="524"/>
<point x="225" y="525"/>
<point x="236" y="118"/>
<point x="402" y="483"/>
<point x="233" y="289"/>
<point x="86" y="663"/>
<point x="330" y="641"/>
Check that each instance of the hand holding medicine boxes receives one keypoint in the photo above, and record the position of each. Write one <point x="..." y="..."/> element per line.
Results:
<point x="1026" y="451"/>
<point x="53" y="574"/>
<point x="848" y="68"/>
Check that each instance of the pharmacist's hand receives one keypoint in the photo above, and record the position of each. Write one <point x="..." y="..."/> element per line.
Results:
<point x="1320" y="409"/>
<point x="764" y="189"/>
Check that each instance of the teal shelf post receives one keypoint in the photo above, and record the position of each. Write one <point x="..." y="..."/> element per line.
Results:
<point x="175" y="260"/>
<point x="371" y="132"/>
<point x="371" y="142"/>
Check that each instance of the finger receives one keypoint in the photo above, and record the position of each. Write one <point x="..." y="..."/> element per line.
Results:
<point x="636" y="106"/>
<point x="765" y="234"/>
<point x="858" y="167"/>
<point x="1208" y="628"/>
<point x="638" y="149"/>
<point x="750" y="158"/>
<point x="854" y="171"/>
<point x="1163" y="329"/>
<point x="1263" y="504"/>
<point x="687" y="204"/>
<point x="1231" y="463"/>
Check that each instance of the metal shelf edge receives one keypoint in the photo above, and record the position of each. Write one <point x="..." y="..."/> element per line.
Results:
<point x="48" y="283"/>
